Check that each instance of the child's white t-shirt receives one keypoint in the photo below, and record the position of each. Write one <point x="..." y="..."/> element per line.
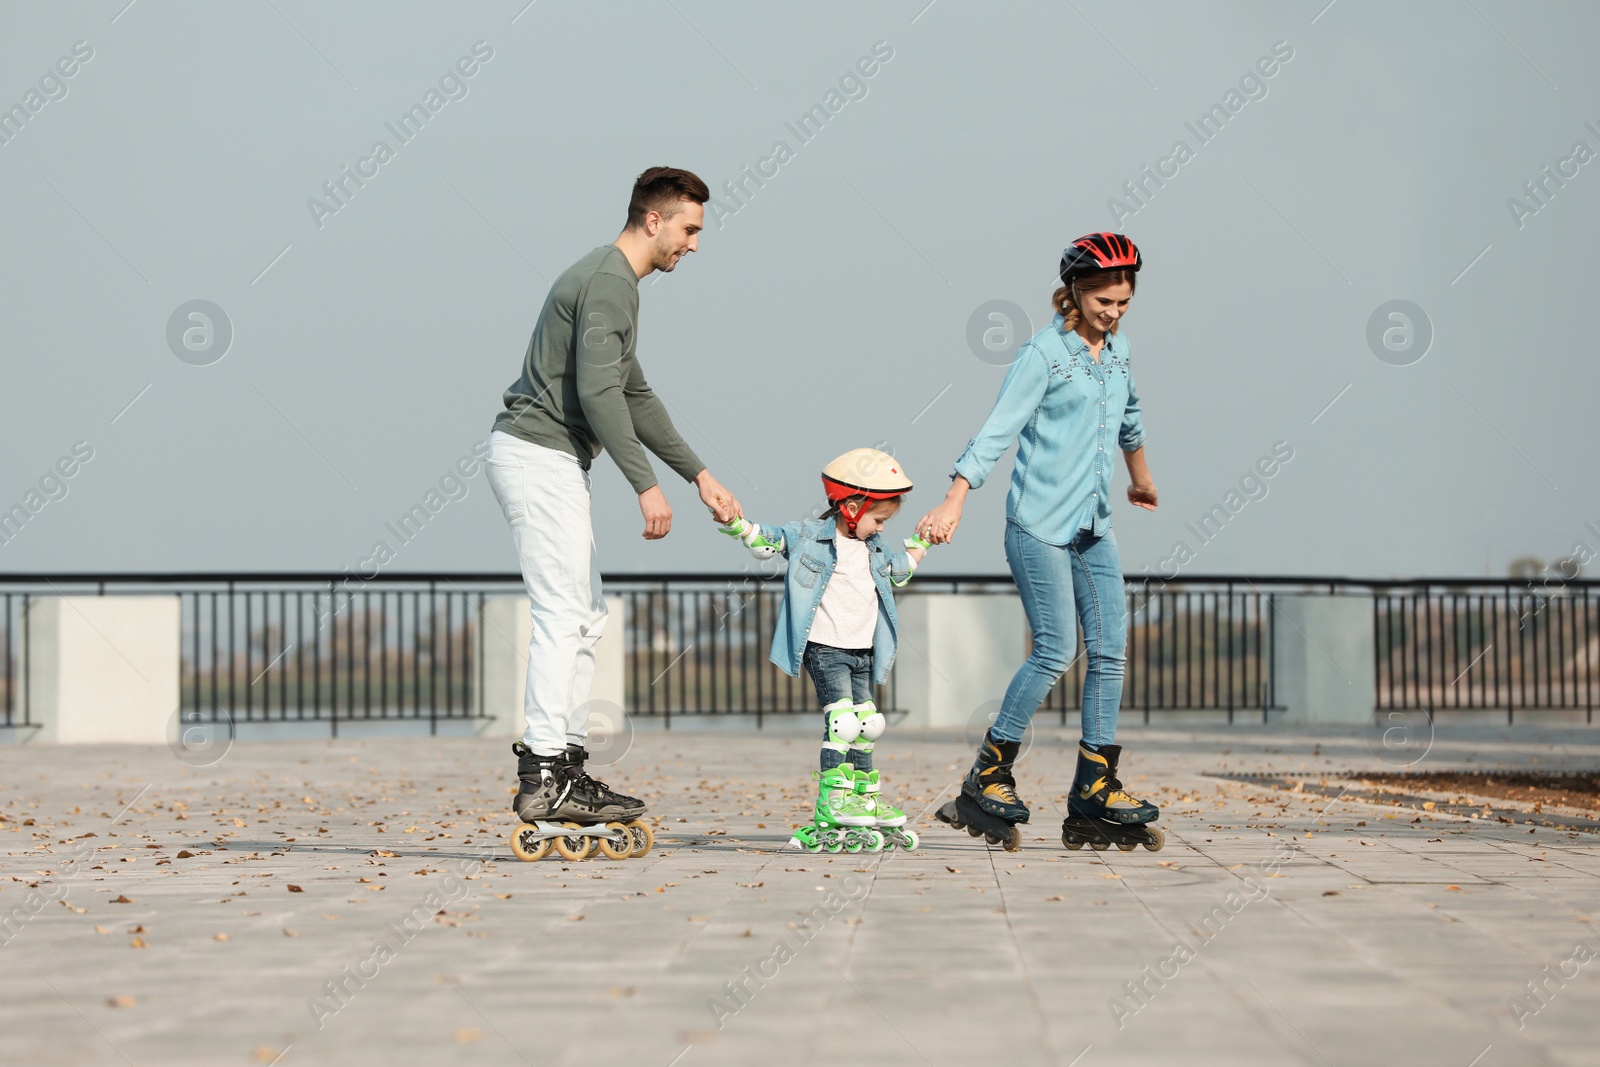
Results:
<point x="848" y="614"/>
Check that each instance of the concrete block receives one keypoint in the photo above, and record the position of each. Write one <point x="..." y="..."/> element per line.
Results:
<point x="957" y="654"/>
<point x="1325" y="670"/>
<point x="507" y="628"/>
<point x="104" y="669"/>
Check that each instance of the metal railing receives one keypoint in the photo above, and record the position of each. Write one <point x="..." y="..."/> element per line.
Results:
<point x="318" y="647"/>
<point x="697" y="645"/>
<point x="1488" y="645"/>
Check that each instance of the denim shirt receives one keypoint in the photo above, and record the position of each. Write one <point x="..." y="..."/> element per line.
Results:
<point x="1059" y="404"/>
<point x="809" y="548"/>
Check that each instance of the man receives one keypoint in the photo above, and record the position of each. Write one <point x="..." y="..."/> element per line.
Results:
<point x="580" y="391"/>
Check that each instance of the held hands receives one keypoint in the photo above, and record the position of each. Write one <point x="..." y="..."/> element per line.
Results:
<point x="760" y="545"/>
<point x="938" y="527"/>
<point x="658" y="513"/>
<point x="1142" y="496"/>
<point x="724" y="507"/>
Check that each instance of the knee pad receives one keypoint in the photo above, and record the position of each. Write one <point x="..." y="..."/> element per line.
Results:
<point x="843" y="726"/>
<point x="872" y="721"/>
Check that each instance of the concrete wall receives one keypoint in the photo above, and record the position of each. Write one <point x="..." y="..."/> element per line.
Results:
<point x="103" y="669"/>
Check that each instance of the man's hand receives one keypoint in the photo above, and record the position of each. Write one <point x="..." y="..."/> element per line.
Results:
<point x="724" y="507"/>
<point x="657" y="513"/>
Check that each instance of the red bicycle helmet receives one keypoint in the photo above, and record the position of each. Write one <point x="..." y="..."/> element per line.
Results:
<point x="1096" y="252"/>
<point x="863" y="472"/>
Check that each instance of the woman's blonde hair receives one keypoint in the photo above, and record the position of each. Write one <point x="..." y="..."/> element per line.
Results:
<point x="1066" y="305"/>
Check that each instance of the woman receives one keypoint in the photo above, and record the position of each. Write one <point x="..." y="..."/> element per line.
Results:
<point x="1069" y="395"/>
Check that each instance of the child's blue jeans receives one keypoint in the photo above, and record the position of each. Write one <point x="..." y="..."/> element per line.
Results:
<point x="840" y="674"/>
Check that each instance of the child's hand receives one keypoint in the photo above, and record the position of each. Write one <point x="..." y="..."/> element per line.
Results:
<point x="760" y="546"/>
<point x="917" y="547"/>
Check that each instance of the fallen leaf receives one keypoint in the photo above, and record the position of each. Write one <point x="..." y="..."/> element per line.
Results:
<point x="1330" y="892"/>
<point x="221" y="937"/>
<point x="102" y="929"/>
<point x="123" y="1001"/>
<point x="289" y="933"/>
<point x="138" y="942"/>
<point x="468" y="1036"/>
<point x="185" y="854"/>
<point x="121" y="898"/>
<point x="953" y="870"/>
<point x="296" y="889"/>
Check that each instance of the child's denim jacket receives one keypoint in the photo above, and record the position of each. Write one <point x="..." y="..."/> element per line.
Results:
<point x="809" y="548"/>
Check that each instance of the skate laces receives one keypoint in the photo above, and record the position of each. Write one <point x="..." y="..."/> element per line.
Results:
<point x="999" y="783"/>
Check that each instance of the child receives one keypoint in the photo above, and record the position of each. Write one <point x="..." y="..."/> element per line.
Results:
<point x="837" y="620"/>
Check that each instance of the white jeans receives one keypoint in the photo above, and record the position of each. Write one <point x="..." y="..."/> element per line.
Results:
<point x="544" y="494"/>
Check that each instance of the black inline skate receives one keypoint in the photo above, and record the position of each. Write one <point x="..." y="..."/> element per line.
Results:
<point x="564" y="809"/>
<point x="1100" y="813"/>
<point x="988" y="805"/>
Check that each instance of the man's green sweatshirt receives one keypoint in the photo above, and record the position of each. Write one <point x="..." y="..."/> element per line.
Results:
<point x="581" y="389"/>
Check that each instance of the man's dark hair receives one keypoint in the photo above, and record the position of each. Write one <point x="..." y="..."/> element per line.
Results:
<point x="661" y="189"/>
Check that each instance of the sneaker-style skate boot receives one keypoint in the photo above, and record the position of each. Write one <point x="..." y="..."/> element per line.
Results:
<point x="988" y="805"/>
<point x="1100" y="812"/>
<point x="603" y="801"/>
<point x="576" y="816"/>
<point x="841" y="821"/>
<point x="889" y="819"/>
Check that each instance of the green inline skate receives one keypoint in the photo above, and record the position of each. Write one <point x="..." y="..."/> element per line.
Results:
<point x="841" y="822"/>
<point x="888" y="819"/>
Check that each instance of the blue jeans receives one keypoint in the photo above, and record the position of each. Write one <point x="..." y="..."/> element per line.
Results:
<point x="1084" y="578"/>
<point x="840" y="674"/>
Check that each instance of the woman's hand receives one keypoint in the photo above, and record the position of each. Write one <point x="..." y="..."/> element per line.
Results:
<point x="939" y="525"/>
<point x="1142" y="496"/>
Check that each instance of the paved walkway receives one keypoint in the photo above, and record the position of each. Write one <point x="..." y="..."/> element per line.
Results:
<point x="354" y="902"/>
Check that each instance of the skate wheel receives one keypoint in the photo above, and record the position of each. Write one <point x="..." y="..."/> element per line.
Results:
<point x="973" y="831"/>
<point x="1157" y="839"/>
<point x="832" y="841"/>
<point x="1013" y="839"/>
<point x="854" y="844"/>
<point x="993" y="839"/>
<point x="1100" y="846"/>
<point x="574" y="847"/>
<point x="909" y="841"/>
<point x="619" y="847"/>
<point x="1127" y="846"/>
<point x="875" y="841"/>
<point x="644" y="838"/>
<point x="527" y="847"/>
<point x="1073" y="843"/>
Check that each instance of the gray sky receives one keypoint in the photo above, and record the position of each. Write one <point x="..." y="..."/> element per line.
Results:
<point x="830" y="308"/>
